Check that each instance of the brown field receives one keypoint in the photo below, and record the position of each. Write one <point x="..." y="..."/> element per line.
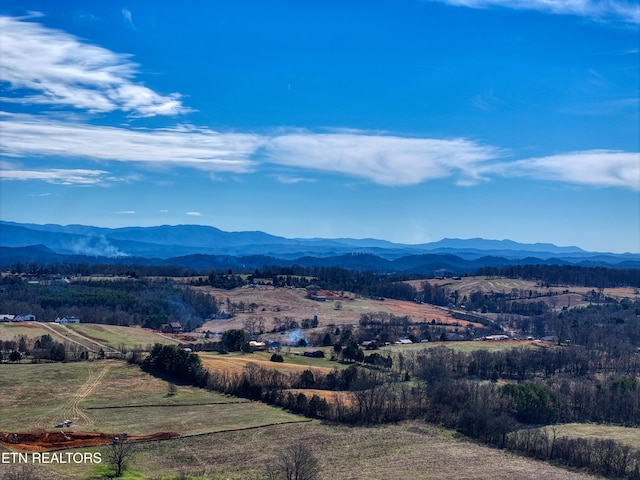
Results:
<point x="411" y="450"/>
<point x="406" y="451"/>
<point x="285" y="302"/>
<point x="344" y="309"/>
<point x="625" y="435"/>
<point x="237" y="363"/>
<point x="421" y="312"/>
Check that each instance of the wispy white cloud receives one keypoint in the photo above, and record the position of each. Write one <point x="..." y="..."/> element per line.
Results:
<point x="128" y="18"/>
<point x="193" y="214"/>
<point x="290" y="180"/>
<point x="487" y="101"/>
<point x="57" y="176"/>
<point x="203" y="149"/>
<point x="595" y="168"/>
<point x="617" y="106"/>
<point x="386" y="160"/>
<point x="626" y="11"/>
<point x="126" y="212"/>
<point x="381" y="159"/>
<point x="56" y="68"/>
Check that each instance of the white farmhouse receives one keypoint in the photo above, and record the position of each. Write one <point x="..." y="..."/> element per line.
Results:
<point x="68" y="319"/>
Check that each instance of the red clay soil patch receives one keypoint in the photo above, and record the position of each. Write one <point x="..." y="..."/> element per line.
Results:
<point x="43" y="441"/>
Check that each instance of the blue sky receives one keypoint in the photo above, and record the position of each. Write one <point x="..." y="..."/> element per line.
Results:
<point x="408" y="121"/>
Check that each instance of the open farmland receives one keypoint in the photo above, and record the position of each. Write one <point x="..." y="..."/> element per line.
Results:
<point x="112" y="396"/>
<point x="404" y="451"/>
<point x="625" y="435"/>
<point x="10" y="331"/>
<point x="90" y="335"/>
<point x="115" y="336"/>
<point x="562" y="295"/>
<point x="489" y="346"/>
<point x="235" y="363"/>
<point x="270" y="302"/>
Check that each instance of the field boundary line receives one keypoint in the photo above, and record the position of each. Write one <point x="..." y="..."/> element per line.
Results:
<point x="85" y="337"/>
<point x="168" y="405"/>
<point x="66" y="338"/>
<point x="255" y="427"/>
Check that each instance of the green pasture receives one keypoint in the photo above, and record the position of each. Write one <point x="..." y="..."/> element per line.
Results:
<point x="11" y="331"/>
<point x="34" y="395"/>
<point x="295" y="356"/>
<point x="37" y="396"/>
<point x="116" y="336"/>
<point x="467" y="346"/>
<point x="113" y="336"/>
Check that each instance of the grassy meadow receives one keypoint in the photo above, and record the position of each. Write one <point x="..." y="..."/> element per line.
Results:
<point x="87" y="334"/>
<point x="116" y="336"/>
<point x="229" y="438"/>
<point x="406" y="451"/>
<point x="592" y="431"/>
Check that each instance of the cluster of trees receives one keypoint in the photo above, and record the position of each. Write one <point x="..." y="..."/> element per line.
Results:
<point x="40" y="349"/>
<point x="611" y="326"/>
<point x="605" y="457"/>
<point x="366" y="284"/>
<point x="234" y="340"/>
<point x="46" y="348"/>
<point x="176" y="362"/>
<point x="228" y="280"/>
<point x="505" y="302"/>
<point x="133" y="270"/>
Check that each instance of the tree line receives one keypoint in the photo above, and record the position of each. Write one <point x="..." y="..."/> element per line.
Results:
<point x="449" y="388"/>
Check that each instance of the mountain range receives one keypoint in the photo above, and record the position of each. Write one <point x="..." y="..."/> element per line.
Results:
<point x="206" y="247"/>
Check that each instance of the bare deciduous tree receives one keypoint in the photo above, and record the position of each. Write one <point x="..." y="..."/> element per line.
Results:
<point x="119" y="454"/>
<point x="295" y="463"/>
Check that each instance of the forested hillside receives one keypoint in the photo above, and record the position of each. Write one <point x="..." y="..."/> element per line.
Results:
<point x="117" y="302"/>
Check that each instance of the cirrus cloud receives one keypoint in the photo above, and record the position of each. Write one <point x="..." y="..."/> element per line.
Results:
<point x="61" y="176"/>
<point x="597" y="9"/>
<point x="50" y="67"/>
<point x="596" y="168"/>
<point x="185" y="146"/>
<point x="382" y="159"/>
